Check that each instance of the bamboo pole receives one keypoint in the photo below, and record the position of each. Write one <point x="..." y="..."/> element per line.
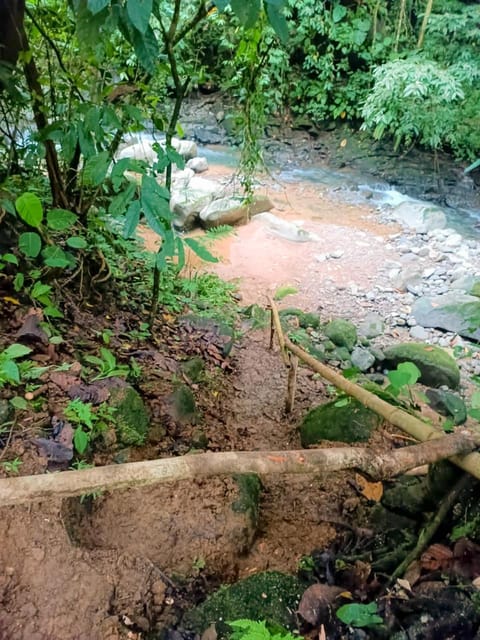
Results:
<point x="65" y="484"/>
<point x="423" y="28"/>
<point x="396" y="416"/>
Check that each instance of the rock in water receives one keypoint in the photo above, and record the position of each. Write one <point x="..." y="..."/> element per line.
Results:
<point x="419" y="216"/>
<point x="452" y="311"/>
<point x="436" y="365"/>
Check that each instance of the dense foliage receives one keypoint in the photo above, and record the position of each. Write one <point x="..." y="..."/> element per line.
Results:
<point x="89" y="73"/>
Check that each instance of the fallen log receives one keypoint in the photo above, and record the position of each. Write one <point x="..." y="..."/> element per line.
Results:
<point x="394" y="415"/>
<point x="377" y="465"/>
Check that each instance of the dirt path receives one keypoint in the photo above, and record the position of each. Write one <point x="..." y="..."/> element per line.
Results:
<point x="73" y="572"/>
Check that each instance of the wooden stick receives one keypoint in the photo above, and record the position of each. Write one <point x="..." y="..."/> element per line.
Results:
<point x="394" y="415"/>
<point x="278" y="328"/>
<point x="292" y="383"/>
<point x="27" y="489"/>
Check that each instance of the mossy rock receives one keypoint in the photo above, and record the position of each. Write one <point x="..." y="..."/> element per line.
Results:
<point x="342" y="332"/>
<point x="436" y="365"/>
<point x="304" y="340"/>
<point x="131" y="417"/>
<point x="349" y="422"/>
<point x="305" y="320"/>
<point x="340" y="353"/>
<point x="270" y="596"/>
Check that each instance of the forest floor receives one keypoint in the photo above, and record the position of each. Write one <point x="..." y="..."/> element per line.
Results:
<point x="112" y="567"/>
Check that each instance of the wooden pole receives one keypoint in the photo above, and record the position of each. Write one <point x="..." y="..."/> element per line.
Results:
<point x="65" y="484"/>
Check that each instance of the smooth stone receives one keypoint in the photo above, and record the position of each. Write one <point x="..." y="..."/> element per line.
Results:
<point x="455" y="312"/>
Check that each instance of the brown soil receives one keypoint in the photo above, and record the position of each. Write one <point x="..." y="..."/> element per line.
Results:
<point x="108" y="568"/>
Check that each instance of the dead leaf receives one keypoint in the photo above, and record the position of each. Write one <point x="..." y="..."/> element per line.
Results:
<point x="317" y="601"/>
<point x="413" y="573"/>
<point x="370" y="490"/>
<point x="437" y="556"/>
<point x="30" y="331"/>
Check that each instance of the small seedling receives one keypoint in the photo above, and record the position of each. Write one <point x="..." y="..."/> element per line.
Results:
<point x="12" y="466"/>
<point x="9" y="370"/>
<point x="107" y="365"/>
<point x="402" y="379"/>
<point x="253" y="630"/>
<point x="89" y="423"/>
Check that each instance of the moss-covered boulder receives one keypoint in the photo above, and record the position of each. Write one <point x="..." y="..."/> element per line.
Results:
<point x="131" y="415"/>
<point x="453" y="311"/>
<point x="342" y="332"/>
<point x="193" y="368"/>
<point x="436" y="365"/>
<point x="304" y="319"/>
<point x="269" y="596"/>
<point x="345" y="421"/>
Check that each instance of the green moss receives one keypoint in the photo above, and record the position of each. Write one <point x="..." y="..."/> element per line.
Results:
<point x="269" y="596"/>
<point x="342" y="332"/>
<point x="305" y="320"/>
<point x="131" y="417"/>
<point x="248" y="501"/>
<point x="436" y="365"/>
<point x="351" y="422"/>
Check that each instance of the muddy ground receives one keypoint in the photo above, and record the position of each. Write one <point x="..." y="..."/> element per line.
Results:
<point x="124" y="564"/>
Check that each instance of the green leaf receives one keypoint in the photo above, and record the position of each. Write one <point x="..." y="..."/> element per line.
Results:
<point x="10" y="257"/>
<point x="19" y="403"/>
<point x="475" y="400"/>
<point x="200" y="250"/>
<point x="139" y="12"/>
<point x="448" y="425"/>
<point x="39" y="289"/>
<point x="246" y="12"/>
<point x="359" y="615"/>
<point x="9" y="372"/>
<point x="277" y="20"/>
<point x="155" y="206"/>
<point x="132" y="219"/>
<point x="221" y="4"/>
<point x="30" y="209"/>
<point x="146" y="49"/>
<point x="15" y="351"/>
<point x="55" y="257"/>
<point x="60" y="219"/>
<point x="52" y="312"/>
<point x="18" y="282"/>
<point x="77" y="242"/>
<point x="95" y="6"/>
<point x="30" y="244"/>
<point x="339" y="12"/>
<point x="343" y="402"/>
<point x="80" y="440"/>
<point x="120" y="202"/>
<point x="473" y="166"/>
<point x="96" y="168"/>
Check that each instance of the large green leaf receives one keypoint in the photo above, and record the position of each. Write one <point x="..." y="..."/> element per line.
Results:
<point x="339" y="12"/>
<point x="96" y="168"/>
<point x="359" y="615"/>
<point x="132" y="219"/>
<point x="146" y="48"/>
<point x="30" y="244"/>
<point x="95" y="6"/>
<point x="77" y="242"/>
<point x="60" y="219"/>
<point x="118" y="204"/>
<point x="274" y="9"/>
<point x="201" y="251"/>
<point x="15" y="351"/>
<point x="155" y="206"/>
<point x="29" y="207"/>
<point x="139" y="12"/>
<point x="246" y="11"/>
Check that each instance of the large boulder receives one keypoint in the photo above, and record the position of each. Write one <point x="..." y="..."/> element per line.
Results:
<point x="341" y="332"/>
<point x="436" y="365"/>
<point x="233" y="210"/>
<point x="419" y="216"/>
<point x="457" y="312"/>
<point x="337" y="421"/>
<point x="285" y="228"/>
<point x="189" y="198"/>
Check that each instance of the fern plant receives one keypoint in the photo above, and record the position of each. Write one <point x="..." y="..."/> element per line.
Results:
<point x="245" y="629"/>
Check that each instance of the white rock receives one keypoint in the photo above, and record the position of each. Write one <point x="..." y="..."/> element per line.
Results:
<point x="199" y="164"/>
